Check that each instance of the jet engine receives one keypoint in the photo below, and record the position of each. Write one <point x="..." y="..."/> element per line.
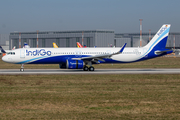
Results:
<point x="74" y="64"/>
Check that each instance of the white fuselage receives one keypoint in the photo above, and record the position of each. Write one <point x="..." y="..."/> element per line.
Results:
<point x="29" y="55"/>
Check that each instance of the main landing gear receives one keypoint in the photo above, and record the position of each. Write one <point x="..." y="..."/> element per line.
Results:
<point x="86" y="68"/>
<point x="22" y="68"/>
<point x="91" y="68"/>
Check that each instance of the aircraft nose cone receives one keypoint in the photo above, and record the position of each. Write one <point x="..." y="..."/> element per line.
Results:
<point x="3" y="59"/>
<point x="6" y="59"/>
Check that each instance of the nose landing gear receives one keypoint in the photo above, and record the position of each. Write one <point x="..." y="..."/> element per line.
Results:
<point x="22" y="68"/>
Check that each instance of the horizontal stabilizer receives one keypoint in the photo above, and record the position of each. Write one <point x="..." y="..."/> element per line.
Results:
<point x="159" y="52"/>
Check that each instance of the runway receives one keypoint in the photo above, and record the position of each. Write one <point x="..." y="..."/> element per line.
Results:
<point x="97" y="71"/>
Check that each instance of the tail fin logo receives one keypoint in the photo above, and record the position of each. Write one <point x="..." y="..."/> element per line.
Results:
<point x="162" y="30"/>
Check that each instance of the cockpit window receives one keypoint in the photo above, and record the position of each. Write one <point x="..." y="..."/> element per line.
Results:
<point x="11" y="53"/>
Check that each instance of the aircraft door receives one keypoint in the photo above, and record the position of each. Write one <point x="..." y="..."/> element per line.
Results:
<point x="22" y="53"/>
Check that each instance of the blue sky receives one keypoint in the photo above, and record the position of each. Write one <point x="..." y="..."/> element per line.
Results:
<point x="58" y="15"/>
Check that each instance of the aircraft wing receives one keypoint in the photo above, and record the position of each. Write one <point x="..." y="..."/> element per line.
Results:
<point x="100" y="57"/>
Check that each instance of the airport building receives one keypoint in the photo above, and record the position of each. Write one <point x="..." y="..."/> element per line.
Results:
<point x="90" y="38"/>
<point x="134" y="39"/>
<point x="4" y="41"/>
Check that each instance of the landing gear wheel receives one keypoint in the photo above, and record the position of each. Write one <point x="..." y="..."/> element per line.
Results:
<point x="85" y="68"/>
<point x="91" y="68"/>
<point x="22" y="68"/>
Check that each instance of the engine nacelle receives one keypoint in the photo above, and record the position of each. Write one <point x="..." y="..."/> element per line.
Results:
<point x="74" y="64"/>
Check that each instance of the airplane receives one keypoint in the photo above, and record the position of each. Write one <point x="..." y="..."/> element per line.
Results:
<point x="26" y="45"/>
<point x="55" y="45"/>
<point x="84" y="58"/>
<point x="14" y="48"/>
<point x="9" y="50"/>
<point x="78" y="45"/>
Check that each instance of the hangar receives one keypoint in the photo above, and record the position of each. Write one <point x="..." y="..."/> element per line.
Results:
<point x="134" y="39"/>
<point x="90" y="38"/>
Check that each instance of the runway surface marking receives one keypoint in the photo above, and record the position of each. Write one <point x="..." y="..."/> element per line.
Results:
<point x="97" y="71"/>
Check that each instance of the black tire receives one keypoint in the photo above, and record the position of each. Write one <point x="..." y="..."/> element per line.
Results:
<point x="91" y="68"/>
<point x="22" y="70"/>
<point x="85" y="68"/>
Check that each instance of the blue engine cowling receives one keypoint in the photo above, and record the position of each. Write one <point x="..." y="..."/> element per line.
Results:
<point x="74" y="64"/>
